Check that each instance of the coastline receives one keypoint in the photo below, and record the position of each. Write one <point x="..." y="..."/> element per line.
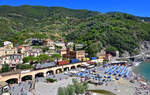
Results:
<point x="138" y="76"/>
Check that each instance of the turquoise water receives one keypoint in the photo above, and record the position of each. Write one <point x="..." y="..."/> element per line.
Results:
<point x="144" y="70"/>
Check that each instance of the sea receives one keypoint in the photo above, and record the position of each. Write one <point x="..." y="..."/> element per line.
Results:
<point x="143" y="69"/>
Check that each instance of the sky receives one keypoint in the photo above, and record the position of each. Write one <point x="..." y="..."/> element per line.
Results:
<point x="135" y="7"/>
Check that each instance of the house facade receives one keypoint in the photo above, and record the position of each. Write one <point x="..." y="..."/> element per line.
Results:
<point x="12" y="59"/>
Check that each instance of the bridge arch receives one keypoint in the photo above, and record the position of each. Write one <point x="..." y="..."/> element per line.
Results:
<point x="78" y="66"/>
<point x="59" y="70"/>
<point x="66" y="69"/>
<point x="27" y="77"/>
<point x="40" y="74"/>
<point x="73" y="67"/>
<point x="12" y="81"/>
<point x="50" y="72"/>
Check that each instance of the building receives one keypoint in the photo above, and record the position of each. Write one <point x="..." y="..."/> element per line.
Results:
<point x="102" y="53"/>
<point x="60" y="44"/>
<point x="7" y="44"/>
<point x="63" y="52"/>
<point x="70" y="54"/>
<point x="78" y="46"/>
<point x="23" y="48"/>
<point x="80" y="54"/>
<point x="37" y="42"/>
<point x="48" y="42"/>
<point x="7" y="51"/>
<point x="33" y="52"/>
<point x="11" y="59"/>
<point x="109" y="57"/>
<point x="70" y="45"/>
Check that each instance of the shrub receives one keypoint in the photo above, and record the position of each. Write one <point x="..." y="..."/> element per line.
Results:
<point x="51" y="80"/>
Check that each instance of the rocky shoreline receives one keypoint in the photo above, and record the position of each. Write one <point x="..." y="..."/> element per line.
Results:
<point x="140" y="78"/>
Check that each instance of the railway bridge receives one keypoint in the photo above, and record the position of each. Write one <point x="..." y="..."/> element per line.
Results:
<point x="18" y="77"/>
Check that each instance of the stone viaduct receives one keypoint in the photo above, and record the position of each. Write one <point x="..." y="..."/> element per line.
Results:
<point x="42" y="72"/>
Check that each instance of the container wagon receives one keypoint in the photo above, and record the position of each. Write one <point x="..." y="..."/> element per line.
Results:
<point x="93" y="58"/>
<point x="74" y="60"/>
<point x="63" y="62"/>
<point x="85" y="59"/>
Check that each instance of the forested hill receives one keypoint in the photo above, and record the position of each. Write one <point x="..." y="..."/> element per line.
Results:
<point x="118" y="31"/>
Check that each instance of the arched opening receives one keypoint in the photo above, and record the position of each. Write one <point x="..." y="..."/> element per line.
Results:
<point x="27" y="77"/>
<point x="58" y="71"/>
<point x="12" y="81"/>
<point x="51" y="72"/>
<point x="73" y="67"/>
<point x="78" y="66"/>
<point x="39" y="75"/>
<point x="66" y="69"/>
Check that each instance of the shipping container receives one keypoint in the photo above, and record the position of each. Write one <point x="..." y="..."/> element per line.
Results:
<point x="63" y="62"/>
<point x="83" y="59"/>
<point x="101" y="57"/>
<point x="93" y="58"/>
<point x="87" y="59"/>
<point x="90" y="62"/>
<point x="74" y="60"/>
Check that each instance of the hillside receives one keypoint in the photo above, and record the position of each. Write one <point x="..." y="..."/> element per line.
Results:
<point x="118" y="31"/>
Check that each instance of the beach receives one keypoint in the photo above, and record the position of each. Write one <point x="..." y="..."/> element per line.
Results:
<point x="133" y="85"/>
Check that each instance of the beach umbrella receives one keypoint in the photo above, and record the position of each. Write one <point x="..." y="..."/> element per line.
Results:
<point x="109" y="77"/>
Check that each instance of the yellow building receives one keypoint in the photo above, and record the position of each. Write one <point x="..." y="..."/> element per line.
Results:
<point x="80" y="54"/>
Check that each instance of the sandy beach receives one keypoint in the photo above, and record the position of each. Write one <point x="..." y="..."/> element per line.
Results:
<point x="123" y="86"/>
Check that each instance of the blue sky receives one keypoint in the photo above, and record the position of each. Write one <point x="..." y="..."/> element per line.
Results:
<point x="135" y="7"/>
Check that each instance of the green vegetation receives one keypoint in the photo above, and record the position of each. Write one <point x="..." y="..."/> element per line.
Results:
<point x="104" y="92"/>
<point x="5" y="68"/>
<point x="51" y="80"/>
<point x="93" y="29"/>
<point x="24" y="66"/>
<point x="56" y="56"/>
<point x="29" y="59"/>
<point x="42" y="58"/>
<point x="44" y="49"/>
<point x="75" y="89"/>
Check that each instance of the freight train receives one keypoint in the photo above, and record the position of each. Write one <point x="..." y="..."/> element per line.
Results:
<point x="63" y="62"/>
<point x="44" y="65"/>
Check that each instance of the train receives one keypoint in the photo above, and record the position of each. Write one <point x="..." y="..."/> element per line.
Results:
<point x="74" y="61"/>
<point x="63" y="62"/>
<point x="93" y="58"/>
<point x="44" y="65"/>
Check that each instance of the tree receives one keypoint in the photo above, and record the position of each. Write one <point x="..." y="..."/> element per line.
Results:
<point x="58" y="47"/>
<point x="30" y="59"/>
<point x="56" y="56"/>
<point x="79" y="88"/>
<point x="75" y="89"/>
<point x="111" y="49"/>
<point x="61" y="91"/>
<point x="5" y="68"/>
<point x="45" y="49"/>
<point x="70" y="89"/>
<point x="44" y="57"/>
